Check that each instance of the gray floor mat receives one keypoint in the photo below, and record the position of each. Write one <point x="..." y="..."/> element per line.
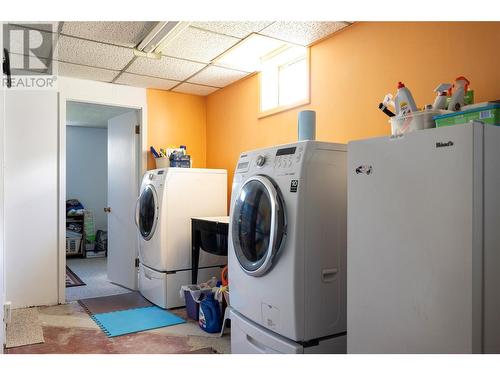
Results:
<point x="112" y="303"/>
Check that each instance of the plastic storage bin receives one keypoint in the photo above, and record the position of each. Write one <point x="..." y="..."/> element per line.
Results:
<point x="162" y="163"/>
<point x="73" y="245"/>
<point x="414" y="121"/>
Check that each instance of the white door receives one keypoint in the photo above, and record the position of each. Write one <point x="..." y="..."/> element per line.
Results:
<point x="123" y="143"/>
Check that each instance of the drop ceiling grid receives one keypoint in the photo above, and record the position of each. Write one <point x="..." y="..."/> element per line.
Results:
<point x="110" y="37"/>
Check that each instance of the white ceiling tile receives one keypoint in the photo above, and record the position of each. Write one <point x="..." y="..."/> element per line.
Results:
<point x="166" y="67"/>
<point x="127" y="34"/>
<point x="198" y="45"/>
<point x="217" y="76"/>
<point x="236" y="29"/>
<point x="80" y="51"/>
<point x="303" y="33"/>
<point x="189" y="88"/>
<point x="85" y="72"/>
<point x="146" y="82"/>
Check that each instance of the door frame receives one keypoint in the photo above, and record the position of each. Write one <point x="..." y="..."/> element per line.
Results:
<point x="107" y="95"/>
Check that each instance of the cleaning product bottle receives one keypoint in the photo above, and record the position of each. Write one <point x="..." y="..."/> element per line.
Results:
<point x="404" y="101"/>
<point x="457" y="99"/>
<point x="209" y="316"/>
<point x="442" y="96"/>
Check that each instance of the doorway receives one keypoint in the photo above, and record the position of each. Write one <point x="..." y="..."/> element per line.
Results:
<point x="102" y="174"/>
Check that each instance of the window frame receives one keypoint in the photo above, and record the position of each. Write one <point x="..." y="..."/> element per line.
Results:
<point x="283" y="108"/>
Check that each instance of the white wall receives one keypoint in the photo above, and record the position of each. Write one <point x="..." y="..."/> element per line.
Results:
<point x="87" y="169"/>
<point x="31" y="197"/>
<point x="79" y="90"/>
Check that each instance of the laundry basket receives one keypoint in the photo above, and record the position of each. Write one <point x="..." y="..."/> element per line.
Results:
<point x="193" y="295"/>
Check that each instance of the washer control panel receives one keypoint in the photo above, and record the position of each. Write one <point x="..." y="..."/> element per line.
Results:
<point x="283" y="160"/>
<point x="261" y="160"/>
<point x="286" y="157"/>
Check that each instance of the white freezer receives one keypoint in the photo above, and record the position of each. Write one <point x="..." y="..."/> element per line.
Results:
<point x="423" y="242"/>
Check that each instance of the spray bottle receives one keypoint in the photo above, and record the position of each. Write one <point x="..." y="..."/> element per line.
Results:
<point x="457" y="99"/>
<point x="442" y="95"/>
<point x="404" y="101"/>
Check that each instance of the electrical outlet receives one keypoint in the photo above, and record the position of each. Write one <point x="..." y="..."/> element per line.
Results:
<point x="7" y="312"/>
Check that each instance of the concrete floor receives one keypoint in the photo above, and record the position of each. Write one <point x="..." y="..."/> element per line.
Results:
<point x="69" y="329"/>
<point x="93" y="272"/>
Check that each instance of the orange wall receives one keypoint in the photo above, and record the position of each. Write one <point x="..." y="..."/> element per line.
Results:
<point x="350" y="74"/>
<point x="177" y="119"/>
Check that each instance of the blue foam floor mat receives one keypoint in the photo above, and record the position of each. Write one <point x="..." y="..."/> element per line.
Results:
<point x="118" y="323"/>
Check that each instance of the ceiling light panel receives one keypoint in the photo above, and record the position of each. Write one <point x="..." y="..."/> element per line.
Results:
<point x="146" y="82"/>
<point x="85" y="72"/>
<point x="189" y="88"/>
<point x="126" y="34"/>
<point x="235" y="29"/>
<point x="166" y="67"/>
<point x="217" y="76"/>
<point x="80" y="51"/>
<point x="303" y="33"/>
<point x="198" y="45"/>
<point x="247" y="54"/>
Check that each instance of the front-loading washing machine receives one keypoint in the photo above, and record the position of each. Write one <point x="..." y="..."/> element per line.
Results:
<point x="287" y="249"/>
<point x="168" y="199"/>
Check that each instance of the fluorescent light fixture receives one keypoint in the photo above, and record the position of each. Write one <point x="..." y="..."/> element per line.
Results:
<point x="248" y="54"/>
<point x="158" y="38"/>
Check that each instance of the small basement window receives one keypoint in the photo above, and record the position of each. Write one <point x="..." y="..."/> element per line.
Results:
<point x="284" y="80"/>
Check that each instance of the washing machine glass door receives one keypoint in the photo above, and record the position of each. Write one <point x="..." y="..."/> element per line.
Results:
<point x="146" y="214"/>
<point x="258" y="225"/>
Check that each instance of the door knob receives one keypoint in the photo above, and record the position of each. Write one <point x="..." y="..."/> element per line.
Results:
<point x="107" y="209"/>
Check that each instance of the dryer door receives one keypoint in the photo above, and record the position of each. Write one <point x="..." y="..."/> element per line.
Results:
<point x="258" y="225"/>
<point x="146" y="213"/>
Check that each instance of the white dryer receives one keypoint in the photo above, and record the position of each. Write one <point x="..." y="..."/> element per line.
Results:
<point x="168" y="199"/>
<point x="287" y="249"/>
